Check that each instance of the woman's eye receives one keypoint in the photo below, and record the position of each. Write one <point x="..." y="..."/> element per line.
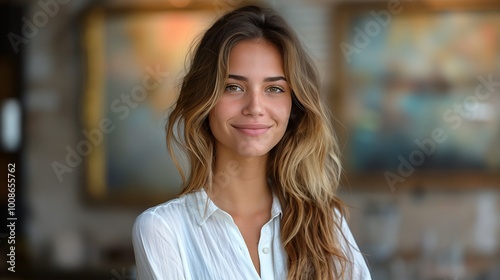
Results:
<point x="276" y="90"/>
<point x="233" y="88"/>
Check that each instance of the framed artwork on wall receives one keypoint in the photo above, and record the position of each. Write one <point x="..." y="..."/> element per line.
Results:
<point x="135" y="58"/>
<point x="418" y="93"/>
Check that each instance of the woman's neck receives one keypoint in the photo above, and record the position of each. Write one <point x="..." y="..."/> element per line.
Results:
<point x="240" y="185"/>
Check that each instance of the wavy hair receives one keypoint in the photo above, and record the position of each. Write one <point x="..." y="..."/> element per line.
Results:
<point x="304" y="167"/>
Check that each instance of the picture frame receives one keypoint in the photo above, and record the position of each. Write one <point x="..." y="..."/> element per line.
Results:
<point x="134" y="57"/>
<point x="400" y="67"/>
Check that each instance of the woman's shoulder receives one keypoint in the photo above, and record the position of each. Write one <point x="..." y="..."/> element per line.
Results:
<point x="164" y="217"/>
<point x="166" y="208"/>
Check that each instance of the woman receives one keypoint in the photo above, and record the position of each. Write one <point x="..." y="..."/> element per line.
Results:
<point x="260" y="198"/>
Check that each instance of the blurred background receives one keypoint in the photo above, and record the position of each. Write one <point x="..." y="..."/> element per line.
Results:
<point x="414" y="87"/>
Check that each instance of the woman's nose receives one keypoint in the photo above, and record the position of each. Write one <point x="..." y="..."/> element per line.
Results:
<point x="254" y="102"/>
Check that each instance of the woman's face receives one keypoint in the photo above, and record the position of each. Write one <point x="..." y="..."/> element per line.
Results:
<point x="252" y="115"/>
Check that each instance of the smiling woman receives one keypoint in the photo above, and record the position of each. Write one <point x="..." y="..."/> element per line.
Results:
<point x="249" y="111"/>
<point x="253" y="111"/>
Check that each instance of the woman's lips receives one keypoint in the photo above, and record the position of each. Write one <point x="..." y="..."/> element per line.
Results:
<point x="252" y="129"/>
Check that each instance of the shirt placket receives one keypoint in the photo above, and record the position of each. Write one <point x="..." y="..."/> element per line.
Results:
<point x="237" y="238"/>
<point x="266" y="251"/>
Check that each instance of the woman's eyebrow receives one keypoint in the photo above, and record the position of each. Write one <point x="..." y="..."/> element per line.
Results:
<point x="238" y="77"/>
<point x="245" y="79"/>
<point x="274" y="79"/>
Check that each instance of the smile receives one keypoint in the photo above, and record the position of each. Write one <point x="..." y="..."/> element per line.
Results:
<point x="252" y="129"/>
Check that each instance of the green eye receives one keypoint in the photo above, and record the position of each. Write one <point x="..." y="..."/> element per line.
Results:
<point x="276" y="90"/>
<point x="233" y="88"/>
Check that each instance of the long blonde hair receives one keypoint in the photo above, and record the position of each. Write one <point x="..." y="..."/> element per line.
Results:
<point x="303" y="168"/>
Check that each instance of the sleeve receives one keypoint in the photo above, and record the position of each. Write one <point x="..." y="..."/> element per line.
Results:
<point x="359" y="269"/>
<point x="156" y="250"/>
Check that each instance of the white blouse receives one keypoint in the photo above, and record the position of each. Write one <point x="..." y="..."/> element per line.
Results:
<point x="191" y="238"/>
